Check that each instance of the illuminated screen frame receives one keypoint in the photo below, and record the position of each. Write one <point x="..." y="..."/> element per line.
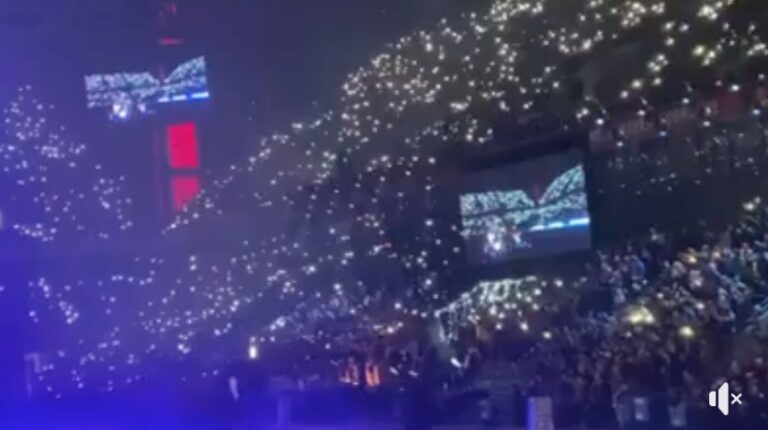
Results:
<point x="502" y="221"/>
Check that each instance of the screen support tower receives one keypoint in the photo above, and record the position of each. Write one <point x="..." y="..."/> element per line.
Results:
<point x="177" y="132"/>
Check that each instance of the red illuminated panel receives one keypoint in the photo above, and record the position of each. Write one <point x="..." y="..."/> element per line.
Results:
<point x="170" y="41"/>
<point x="183" y="190"/>
<point x="182" y="146"/>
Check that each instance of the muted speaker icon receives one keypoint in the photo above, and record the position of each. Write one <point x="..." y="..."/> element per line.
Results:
<point x="722" y="399"/>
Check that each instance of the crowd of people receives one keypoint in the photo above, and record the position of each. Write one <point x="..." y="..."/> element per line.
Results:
<point x="655" y="327"/>
<point x="639" y="338"/>
<point x="635" y="341"/>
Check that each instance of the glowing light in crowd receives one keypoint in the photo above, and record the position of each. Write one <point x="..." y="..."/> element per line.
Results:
<point x="687" y="331"/>
<point x="253" y="350"/>
<point x="641" y="316"/>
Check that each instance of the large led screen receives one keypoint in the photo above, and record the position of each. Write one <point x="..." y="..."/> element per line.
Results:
<point x="128" y="94"/>
<point x="530" y="209"/>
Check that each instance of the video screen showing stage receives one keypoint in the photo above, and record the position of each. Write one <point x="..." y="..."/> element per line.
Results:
<point x="530" y="209"/>
<point x="128" y="94"/>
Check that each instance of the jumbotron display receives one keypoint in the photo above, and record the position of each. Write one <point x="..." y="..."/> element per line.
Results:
<point x="128" y="94"/>
<point x="531" y="209"/>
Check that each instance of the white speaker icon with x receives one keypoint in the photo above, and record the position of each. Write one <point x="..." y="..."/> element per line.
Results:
<point x="722" y="399"/>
